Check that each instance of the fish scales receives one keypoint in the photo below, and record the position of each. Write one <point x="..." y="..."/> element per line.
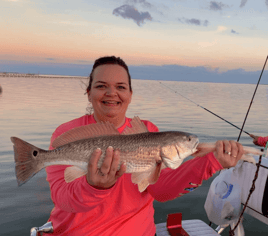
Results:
<point x="136" y="150"/>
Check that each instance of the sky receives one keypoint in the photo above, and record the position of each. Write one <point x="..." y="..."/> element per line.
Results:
<point x="61" y="37"/>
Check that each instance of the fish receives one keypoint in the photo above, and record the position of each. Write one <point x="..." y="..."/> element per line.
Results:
<point x="144" y="153"/>
<point x="205" y="148"/>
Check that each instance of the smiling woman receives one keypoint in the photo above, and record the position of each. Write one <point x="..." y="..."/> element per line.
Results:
<point x="103" y="200"/>
<point x="109" y="90"/>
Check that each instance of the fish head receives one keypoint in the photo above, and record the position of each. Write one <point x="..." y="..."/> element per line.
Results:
<point x="178" y="146"/>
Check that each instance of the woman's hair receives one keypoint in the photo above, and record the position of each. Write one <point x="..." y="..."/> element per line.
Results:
<point x="112" y="60"/>
<point x="108" y="60"/>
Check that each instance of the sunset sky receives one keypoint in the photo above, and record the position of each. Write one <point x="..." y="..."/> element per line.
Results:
<point x="223" y="35"/>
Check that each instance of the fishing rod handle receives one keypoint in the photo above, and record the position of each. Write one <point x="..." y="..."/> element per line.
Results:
<point x="46" y="228"/>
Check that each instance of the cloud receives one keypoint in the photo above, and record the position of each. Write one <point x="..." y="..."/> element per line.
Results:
<point x="266" y="2"/>
<point x="50" y="59"/>
<point x="253" y="27"/>
<point x="74" y="23"/>
<point x="221" y="28"/>
<point x="234" y="32"/>
<point x="217" y="6"/>
<point x="130" y="12"/>
<point x="193" y="21"/>
<point x="143" y="3"/>
<point x="243" y="3"/>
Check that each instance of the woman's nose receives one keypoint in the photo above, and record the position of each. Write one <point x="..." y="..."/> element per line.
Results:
<point x="111" y="91"/>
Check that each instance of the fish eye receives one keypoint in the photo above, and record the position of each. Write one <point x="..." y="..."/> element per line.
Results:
<point x="35" y="153"/>
<point x="189" y="139"/>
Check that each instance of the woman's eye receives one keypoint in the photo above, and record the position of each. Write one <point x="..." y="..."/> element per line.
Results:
<point x="100" y="86"/>
<point x="121" y="87"/>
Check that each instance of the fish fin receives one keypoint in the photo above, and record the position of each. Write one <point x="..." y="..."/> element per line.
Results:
<point x="73" y="172"/>
<point x="137" y="127"/>
<point x="248" y="158"/>
<point x="144" y="179"/>
<point x="25" y="155"/>
<point x="143" y="185"/>
<point x="163" y="166"/>
<point x="85" y="132"/>
<point x="154" y="176"/>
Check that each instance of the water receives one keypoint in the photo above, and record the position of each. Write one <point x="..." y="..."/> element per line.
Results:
<point x="31" y="109"/>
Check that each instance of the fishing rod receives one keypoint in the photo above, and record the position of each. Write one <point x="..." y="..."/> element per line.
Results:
<point x="206" y="109"/>
<point x="252" y="99"/>
<point x="231" y="231"/>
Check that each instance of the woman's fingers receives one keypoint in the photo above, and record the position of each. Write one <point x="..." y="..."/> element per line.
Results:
<point x="228" y="153"/>
<point x="93" y="162"/>
<point x="114" y="163"/>
<point x="93" y="166"/>
<point x="105" y="176"/>
<point x="122" y="170"/>
<point x="234" y="149"/>
<point x="106" y="165"/>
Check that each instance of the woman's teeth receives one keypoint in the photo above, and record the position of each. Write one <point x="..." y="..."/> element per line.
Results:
<point x="105" y="102"/>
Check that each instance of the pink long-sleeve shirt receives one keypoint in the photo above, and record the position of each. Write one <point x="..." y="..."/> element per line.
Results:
<point x="80" y="209"/>
<point x="262" y="141"/>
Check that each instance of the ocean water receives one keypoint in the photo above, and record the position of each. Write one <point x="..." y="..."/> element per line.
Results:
<point x="32" y="108"/>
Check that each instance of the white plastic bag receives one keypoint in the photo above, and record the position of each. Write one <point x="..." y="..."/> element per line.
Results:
<point x="223" y="203"/>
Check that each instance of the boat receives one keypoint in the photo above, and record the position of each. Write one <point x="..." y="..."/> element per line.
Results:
<point x="254" y="200"/>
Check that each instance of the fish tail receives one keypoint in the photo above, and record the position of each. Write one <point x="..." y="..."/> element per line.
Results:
<point x="25" y="156"/>
<point x="252" y="150"/>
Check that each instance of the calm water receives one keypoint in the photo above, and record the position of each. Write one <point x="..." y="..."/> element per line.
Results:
<point x="32" y="108"/>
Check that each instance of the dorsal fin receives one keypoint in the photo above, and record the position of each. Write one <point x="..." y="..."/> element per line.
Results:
<point x="137" y="127"/>
<point x="85" y="132"/>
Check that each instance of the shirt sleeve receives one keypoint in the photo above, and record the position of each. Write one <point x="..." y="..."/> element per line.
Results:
<point x="262" y="141"/>
<point x="76" y="196"/>
<point x="187" y="177"/>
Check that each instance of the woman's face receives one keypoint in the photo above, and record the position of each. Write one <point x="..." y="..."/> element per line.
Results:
<point x="110" y="94"/>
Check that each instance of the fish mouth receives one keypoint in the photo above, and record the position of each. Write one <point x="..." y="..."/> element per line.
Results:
<point x="195" y="150"/>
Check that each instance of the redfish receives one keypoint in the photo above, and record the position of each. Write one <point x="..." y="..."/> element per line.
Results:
<point x="144" y="153"/>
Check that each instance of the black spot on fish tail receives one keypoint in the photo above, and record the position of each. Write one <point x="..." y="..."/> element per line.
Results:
<point x="25" y="160"/>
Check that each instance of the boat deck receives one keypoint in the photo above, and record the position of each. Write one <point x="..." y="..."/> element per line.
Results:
<point x="192" y="227"/>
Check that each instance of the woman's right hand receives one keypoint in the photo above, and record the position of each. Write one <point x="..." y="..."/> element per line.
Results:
<point x="105" y="176"/>
<point x="255" y="139"/>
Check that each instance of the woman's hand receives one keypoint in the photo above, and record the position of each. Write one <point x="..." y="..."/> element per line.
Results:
<point x="228" y="153"/>
<point x="255" y="139"/>
<point x="105" y="176"/>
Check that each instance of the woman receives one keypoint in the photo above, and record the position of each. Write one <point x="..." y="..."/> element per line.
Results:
<point x="105" y="201"/>
<point x="259" y="141"/>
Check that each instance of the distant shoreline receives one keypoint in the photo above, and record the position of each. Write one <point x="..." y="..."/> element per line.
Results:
<point x="29" y="75"/>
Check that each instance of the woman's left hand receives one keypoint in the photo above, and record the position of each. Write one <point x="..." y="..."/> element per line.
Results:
<point x="255" y="139"/>
<point x="228" y="153"/>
